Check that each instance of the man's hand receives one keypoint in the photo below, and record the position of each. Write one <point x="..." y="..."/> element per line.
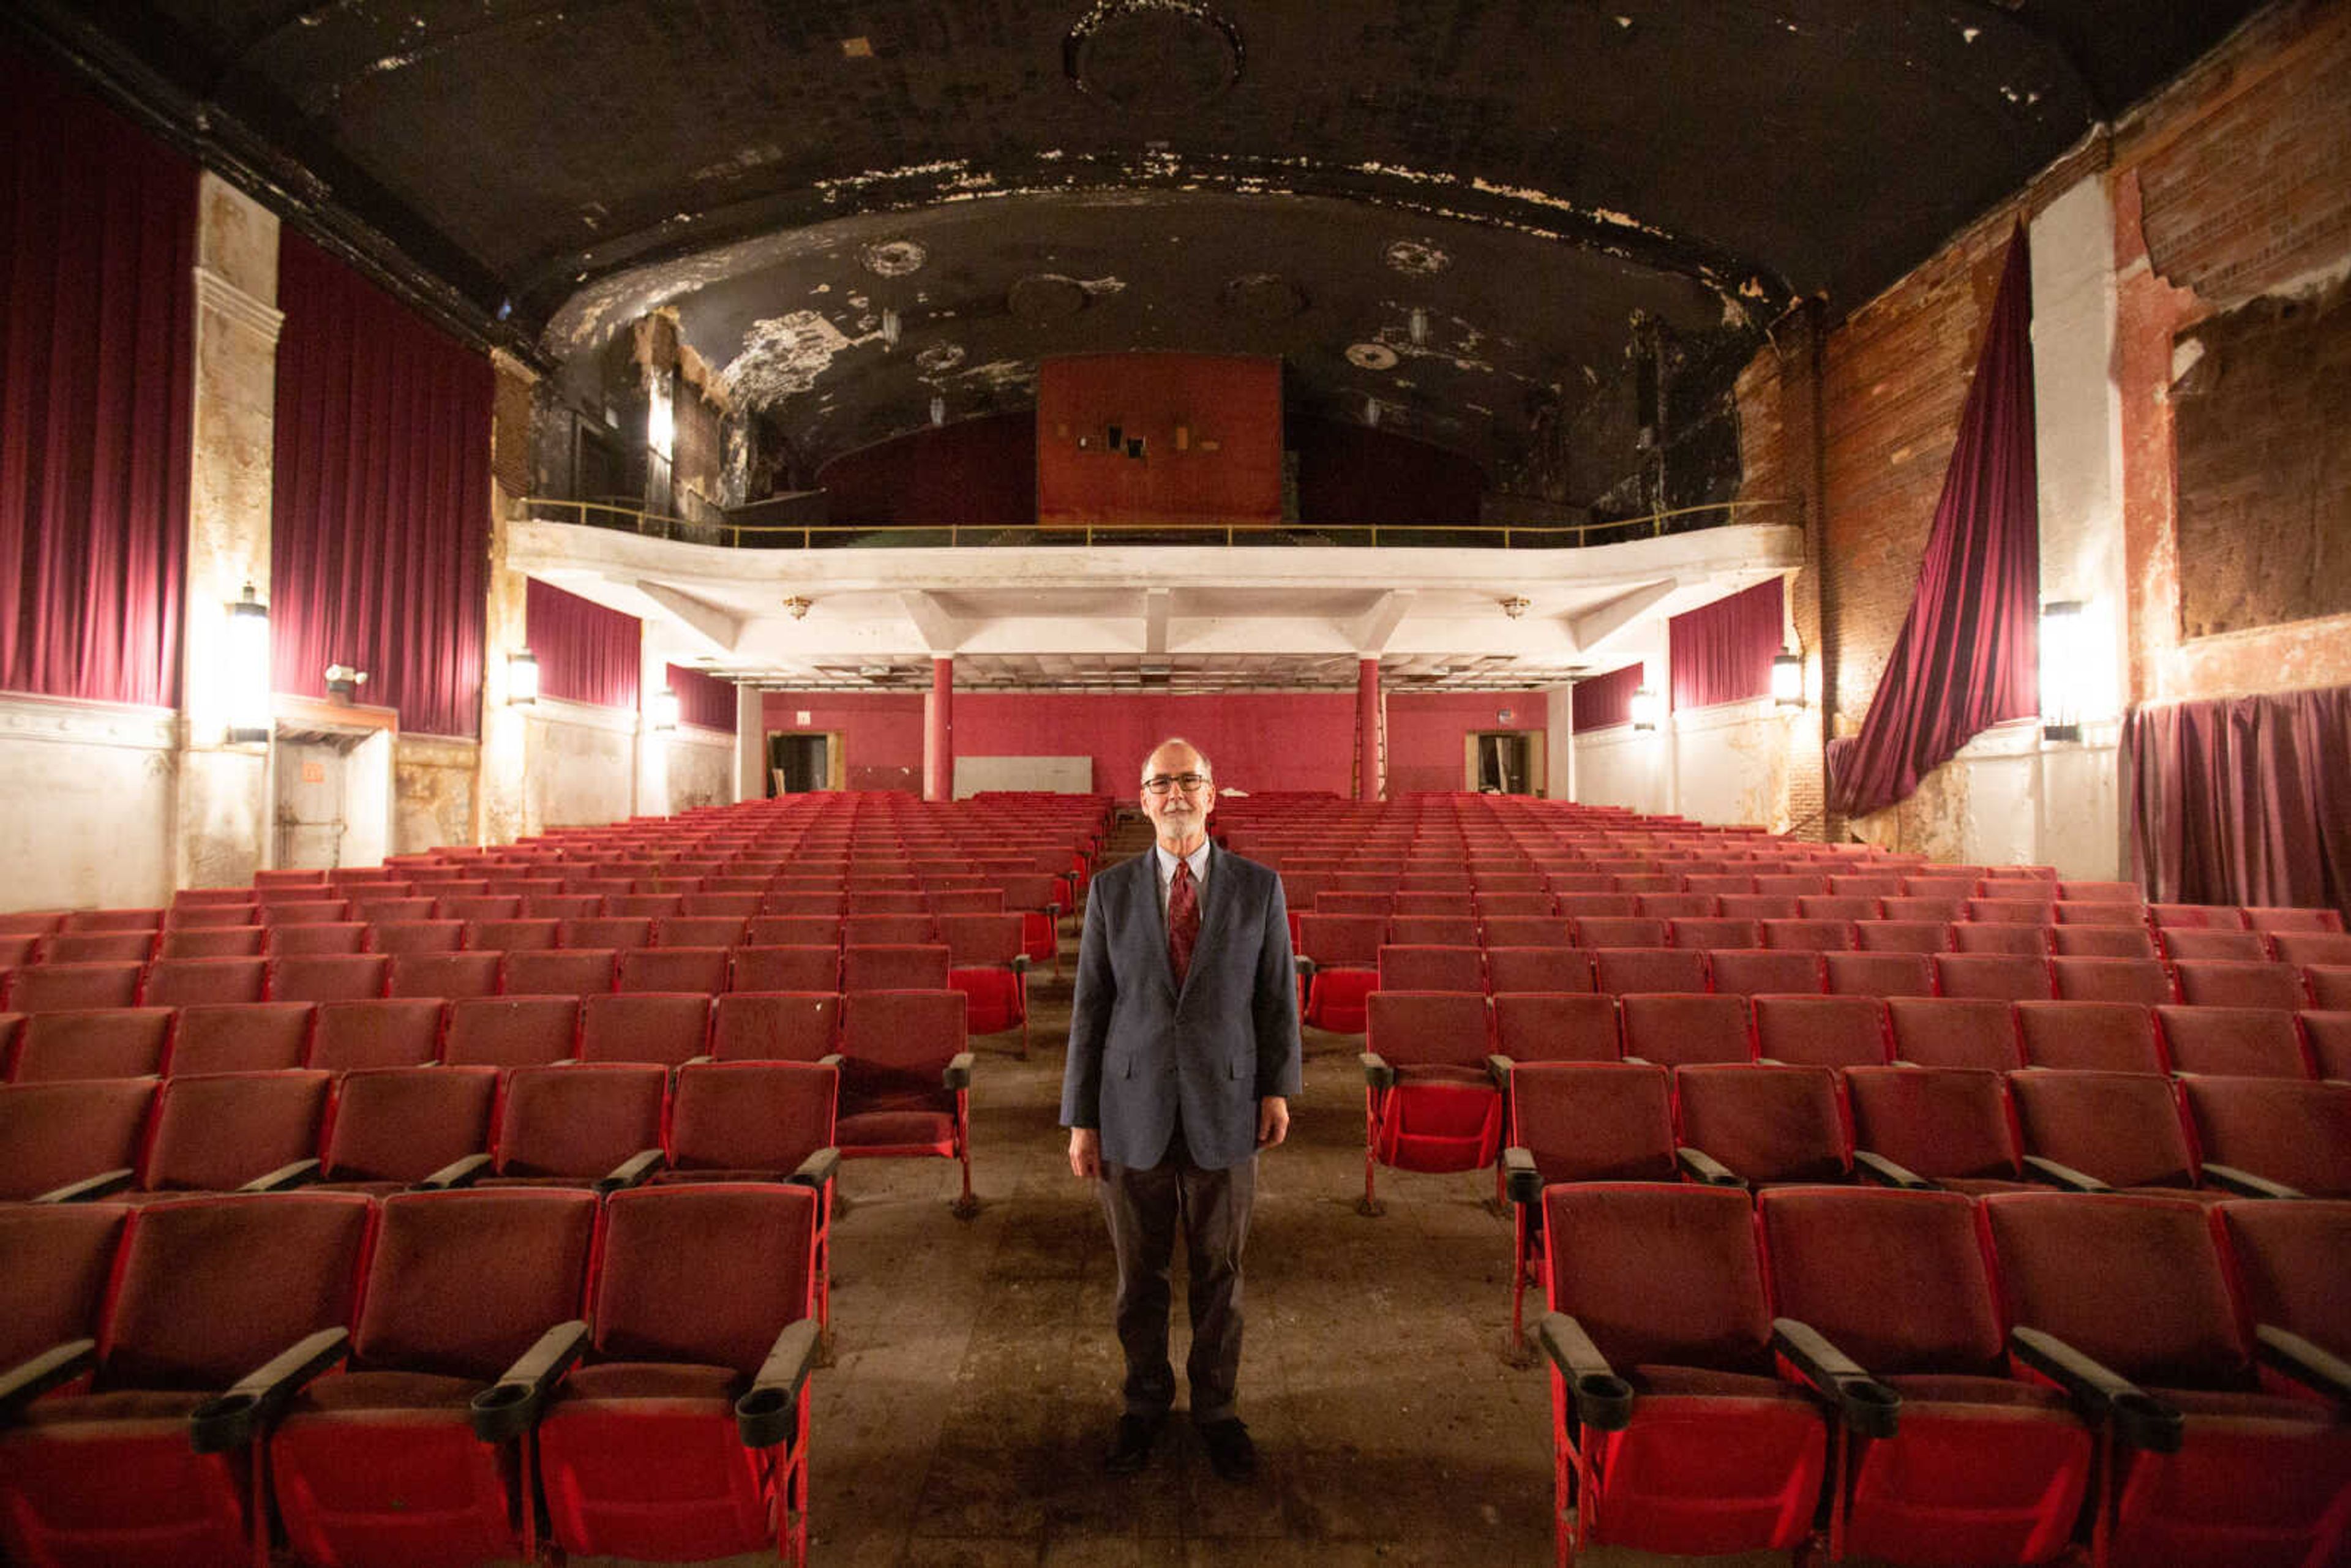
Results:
<point x="1272" y="1121"/>
<point x="1085" y="1153"/>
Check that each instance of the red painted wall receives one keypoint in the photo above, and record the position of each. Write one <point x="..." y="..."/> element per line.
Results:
<point x="882" y="732"/>
<point x="1424" y="731"/>
<point x="1210" y="426"/>
<point x="1257" y="740"/>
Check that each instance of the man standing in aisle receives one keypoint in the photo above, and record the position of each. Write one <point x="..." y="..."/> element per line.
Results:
<point x="1184" y="1053"/>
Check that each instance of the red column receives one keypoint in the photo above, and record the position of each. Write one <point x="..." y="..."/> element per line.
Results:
<point x="1367" y="729"/>
<point x="938" y="748"/>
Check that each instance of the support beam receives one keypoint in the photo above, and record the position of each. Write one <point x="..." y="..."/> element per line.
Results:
<point x="1371" y="631"/>
<point x="1369" y="775"/>
<point x="941" y="632"/>
<point x="705" y="623"/>
<point x="1155" y="620"/>
<point x="1593" y="628"/>
<point x="938" y="734"/>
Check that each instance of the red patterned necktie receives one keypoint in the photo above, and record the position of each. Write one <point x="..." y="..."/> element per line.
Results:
<point x="1183" y="919"/>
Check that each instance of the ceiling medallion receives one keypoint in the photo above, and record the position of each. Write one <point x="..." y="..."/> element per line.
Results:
<point x="1371" y="356"/>
<point x="939" y="359"/>
<point x="1152" y="56"/>
<point x="1418" y="257"/>
<point x="894" y="258"/>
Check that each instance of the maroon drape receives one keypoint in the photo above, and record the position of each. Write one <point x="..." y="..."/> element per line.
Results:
<point x="2242" y="799"/>
<point x="586" y="652"/>
<point x="1722" y="652"/>
<point x="1967" y="655"/>
<point x="703" y="699"/>
<point x="1598" y="701"/>
<point x="97" y="352"/>
<point x="380" y="523"/>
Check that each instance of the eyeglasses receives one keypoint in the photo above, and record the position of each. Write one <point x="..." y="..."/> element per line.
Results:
<point x="1189" y="783"/>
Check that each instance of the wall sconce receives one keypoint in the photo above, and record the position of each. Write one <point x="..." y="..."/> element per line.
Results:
<point x="1417" y="327"/>
<point x="1788" y="679"/>
<point x="248" y="669"/>
<point x="939" y="411"/>
<point x="343" y="683"/>
<point x="891" y="327"/>
<point x="1645" y="708"/>
<point x="522" y="676"/>
<point x="1515" y="606"/>
<point x="799" y="606"/>
<point x="664" y="709"/>
<point x="2064" y="660"/>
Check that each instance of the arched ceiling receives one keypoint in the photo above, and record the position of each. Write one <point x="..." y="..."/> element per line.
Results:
<point x="1443" y="214"/>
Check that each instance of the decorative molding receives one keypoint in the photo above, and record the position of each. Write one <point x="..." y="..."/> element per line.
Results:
<point x="699" y="735"/>
<point x="234" y="305"/>
<point x="60" y="721"/>
<point x="582" y="715"/>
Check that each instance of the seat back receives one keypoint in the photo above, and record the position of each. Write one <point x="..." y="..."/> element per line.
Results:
<point x="2142" y="980"/>
<point x="402" y="1124"/>
<point x="2294" y="1267"/>
<point x="917" y="928"/>
<point x="54" y="1133"/>
<point x="1954" y="1031"/>
<point x="323" y="937"/>
<point x="911" y="1033"/>
<point x="1660" y="1275"/>
<point x="73" y="988"/>
<point x="398" y="937"/>
<point x="447" y="974"/>
<point x="578" y="1122"/>
<point x="1526" y="931"/>
<point x="1822" y="1032"/>
<point x="511" y="1031"/>
<point x="699" y="931"/>
<point x="2110" y="1036"/>
<point x="2290" y="1132"/>
<point x="1342" y="941"/>
<point x="1813" y="935"/>
<point x="2236" y="1041"/>
<point x="894" y="967"/>
<point x="386" y="1032"/>
<point x="664" y="1027"/>
<point x="207" y="942"/>
<point x="764" y="1116"/>
<point x="801" y="968"/>
<point x="1677" y="1028"/>
<point x="2102" y="942"/>
<point x="1897" y="1280"/>
<point x="1880" y="974"/>
<point x="2213" y="944"/>
<point x="981" y="940"/>
<point x="1758" y="971"/>
<point x="512" y="935"/>
<point x="1767" y="1123"/>
<point x="2123" y="1128"/>
<point x="2223" y="984"/>
<point x="327" y="977"/>
<point x="1940" y="1123"/>
<point x="216" y="1132"/>
<point x="1428" y="1028"/>
<point x="2001" y="977"/>
<point x="1542" y="968"/>
<point x="1417" y="968"/>
<point x="55" y="1260"/>
<point x="460" y="1284"/>
<point x="2328" y="1032"/>
<point x="108" y="1042"/>
<point x="562" y="972"/>
<point x="1619" y="931"/>
<point x="1556" y="1026"/>
<point x="1595" y="1121"/>
<point x="702" y="971"/>
<point x="1624" y="970"/>
<point x="706" y="1274"/>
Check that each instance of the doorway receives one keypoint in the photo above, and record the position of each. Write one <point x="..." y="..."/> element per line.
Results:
<point x="799" y="763"/>
<point x="1505" y="762"/>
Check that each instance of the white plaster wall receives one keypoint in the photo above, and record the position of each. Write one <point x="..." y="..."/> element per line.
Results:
<point x="1619" y="765"/>
<point x="1559" y="742"/>
<point x="2010" y="799"/>
<point x="580" y="764"/>
<point x="1732" y="763"/>
<point x="91" y="805"/>
<point x="436" y="778"/>
<point x="701" y="769"/>
<point x="751" y="744"/>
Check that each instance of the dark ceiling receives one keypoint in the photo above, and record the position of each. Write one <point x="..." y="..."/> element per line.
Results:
<point x="1445" y="215"/>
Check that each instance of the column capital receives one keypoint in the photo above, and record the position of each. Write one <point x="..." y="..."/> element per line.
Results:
<point x="217" y="295"/>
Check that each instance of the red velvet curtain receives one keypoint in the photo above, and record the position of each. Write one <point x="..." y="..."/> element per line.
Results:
<point x="98" y="229"/>
<point x="1968" y="654"/>
<point x="1722" y="652"/>
<point x="2242" y="800"/>
<point x="703" y="699"/>
<point x="586" y="652"/>
<point x="380" y="532"/>
<point x="1598" y="701"/>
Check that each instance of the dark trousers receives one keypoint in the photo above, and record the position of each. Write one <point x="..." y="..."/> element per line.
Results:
<point x="1145" y="1207"/>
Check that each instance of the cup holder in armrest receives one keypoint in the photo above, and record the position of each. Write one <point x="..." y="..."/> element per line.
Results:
<point x="2143" y="1421"/>
<point x="765" y="1416"/>
<point x="1604" y="1400"/>
<point x="224" y="1422"/>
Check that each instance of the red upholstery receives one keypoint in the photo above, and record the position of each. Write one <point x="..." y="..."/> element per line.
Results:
<point x="1903" y="936"/>
<point x="380" y="1467"/>
<point x="987" y="962"/>
<point x="575" y="1124"/>
<point x="640" y="1453"/>
<point x="2004" y="976"/>
<point x="2278" y="920"/>
<point x="1556" y="1026"/>
<point x="1948" y="1125"/>
<point x="758" y="1121"/>
<point x="1880" y="974"/>
<point x="68" y="988"/>
<point x="208" y="942"/>
<point x="1984" y="1468"/>
<point x="327" y="977"/>
<point x="2111" y="1036"/>
<point x="1345" y="951"/>
<point x="2307" y="948"/>
<point x="1766" y="1124"/>
<point x="512" y="935"/>
<point x="1757" y="971"/>
<point x="511" y="1031"/>
<point x="114" y="1043"/>
<point x="2122" y="1128"/>
<point x="207" y="1290"/>
<point x="2294" y="1267"/>
<point x="2220" y="983"/>
<point x="402" y="1032"/>
<point x="2218" y="944"/>
<point x="913" y="927"/>
<point x="1527" y="931"/>
<point x="1441" y="1113"/>
<point x="2142" y="980"/>
<point x="446" y="974"/>
<point x="1714" y="933"/>
<point x="615" y="932"/>
<point x="894" y="966"/>
<point x="699" y="931"/>
<point x="1420" y="967"/>
<point x="390" y="1127"/>
<point x="320" y="937"/>
<point x="1675" y="1028"/>
<point x="787" y="969"/>
<point x="55" y="1260"/>
<point x="1946" y="1031"/>
<point x="2139" y="1284"/>
<point x="2131" y="941"/>
<point x="793" y="931"/>
<point x="2237" y="1041"/>
<point x="54" y="1133"/>
<point x="1556" y="967"/>
<point x="98" y="948"/>
<point x="1595" y="1121"/>
<point x="897" y="1048"/>
<point x="2330" y="985"/>
<point x="1619" y="931"/>
<point x="1990" y="938"/>
<point x="1621" y="970"/>
<point x="217" y="1132"/>
<point x="702" y="971"/>
<point x="774" y="1025"/>
<point x="2328" y="1032"/>
<point x="1823" y="1032"/>
<point x="564" y="972"/>
<point x="663" y="1027"/>
<point x="2294" y="1132"/>
<point x="1717" y="1456"/>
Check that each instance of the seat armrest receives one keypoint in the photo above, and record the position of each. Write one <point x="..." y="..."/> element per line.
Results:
<point x="1707" y="1168"/>
<point x="103" y="1184"/>
<point x="286" y="1177"/>
<point x="831" y="1058"/>
<point x="703" y="1060"/>
<point x="817" y="1170"/>
<point x="1888" y="1174"/>
<point x="1305" y="966"/>
<point x="1864" y="1404"/>
<point x="1520" y="1180"/>
<point x="633" y="1171"/>
<point x="1498" y="1068"/>
<point x="2245" y="1184"/>
<point x="958" y="1070"/>
<point x="512" y="1405"/>
<point x="2140" y="1419"/>
<point x="463" y="1171"/>
<point x="1017" y="962"/>
<point x="232" y="1419"/>
<point x="2041" y="1168"/>
<point x="29" y="1379"/>
<point x="2308" y="1364"/>
<point x="1596" y="1396"/>
<point x="768" y="1413"/>
<point x="1376" y="1071"/>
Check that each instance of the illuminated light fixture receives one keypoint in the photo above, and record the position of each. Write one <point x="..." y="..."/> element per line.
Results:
<point x="664" y="709"/>
<point x="1515" y="606"/>
<point x="2064" y="662"/>
<point x="1372" y="412"/>
<point x="1788" y="679"/>
<point x="343" y="683"/>
<point x="890" y="327"/>
<point x="1645" y="708"/>
<point x="939" y="411"/>
<point x="247" y="673"/>
<point x="799" y="606"/>
<point x="1417" y="327"/>
<point x="522" y="676"/>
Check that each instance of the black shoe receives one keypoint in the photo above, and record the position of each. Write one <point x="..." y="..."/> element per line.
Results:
<point x="1230" y="1453"/>
<point x="1130" y="1446"/>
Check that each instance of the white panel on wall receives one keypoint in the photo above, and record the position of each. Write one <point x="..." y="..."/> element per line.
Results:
<point x="1061" y="775"/>
<point x="90" y="792"/>
<point x="1620" y="765"/>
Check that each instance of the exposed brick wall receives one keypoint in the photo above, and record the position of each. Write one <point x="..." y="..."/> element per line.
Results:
<point x="510" y="431"/>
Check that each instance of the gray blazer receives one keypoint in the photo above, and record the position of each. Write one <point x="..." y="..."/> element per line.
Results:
<point x="1139" y="1051"/>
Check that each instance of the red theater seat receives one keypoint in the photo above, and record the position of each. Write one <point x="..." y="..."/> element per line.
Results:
<point x="110" y="1042"/>
<point x="2111" y="1036"/>
<point x="1954" y="1031"/>
<point x="402" y="1032"/>
<point x="1763" y="1124"/>
<point x="1579" y="1121"/>
<point x="668" y="1028"/>
<point x="511" y="1031"/>
<point x="1822" y="1032"/>
<point x="906" y="1079"/>
<point x="1429" y="1103"/>
<point x="1948" y="1125"/>
<point x="79" y="1134"/>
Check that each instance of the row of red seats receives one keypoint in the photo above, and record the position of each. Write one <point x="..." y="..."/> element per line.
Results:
<point x="664" y="1027"/>
<point x="410" y="1379"/>
<point x="1925" y="1377"/>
